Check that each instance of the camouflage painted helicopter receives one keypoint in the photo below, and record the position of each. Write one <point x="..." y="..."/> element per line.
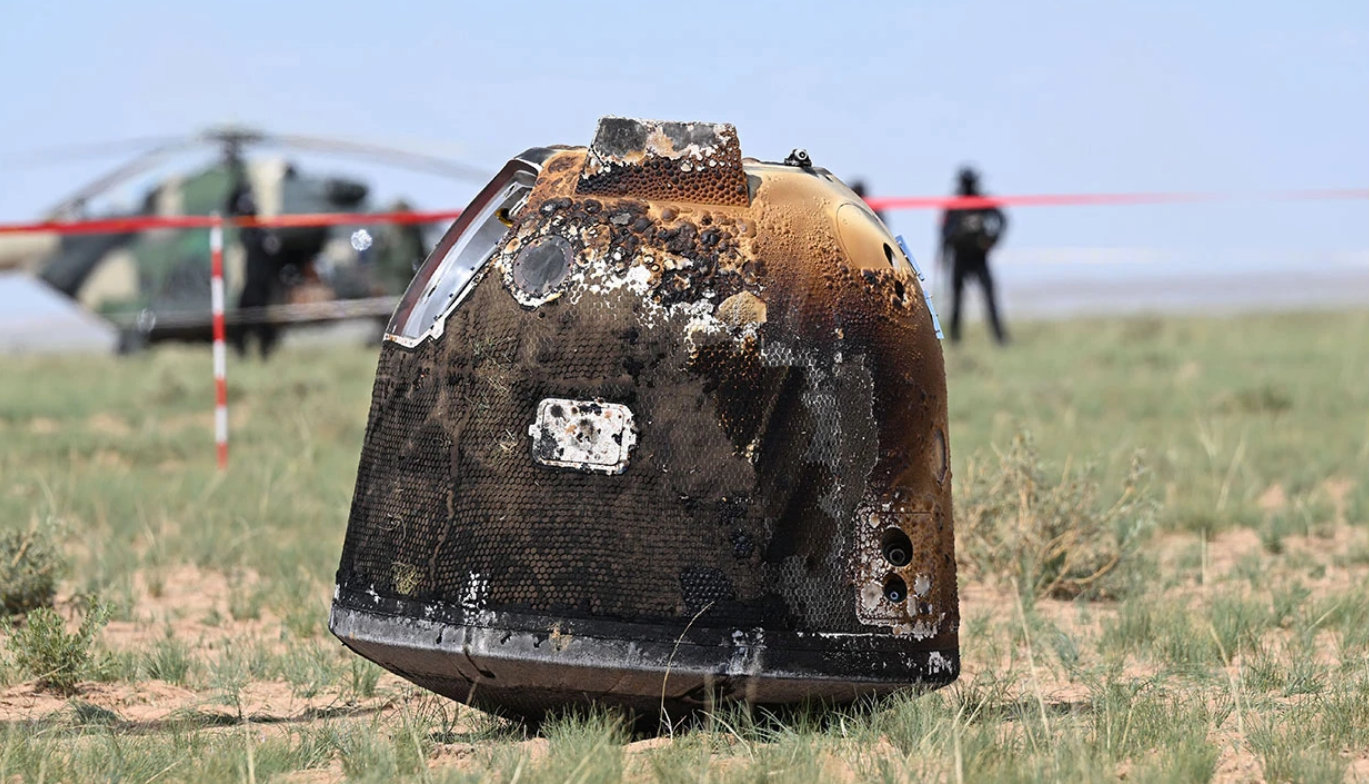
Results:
<point x="153" y="284"/>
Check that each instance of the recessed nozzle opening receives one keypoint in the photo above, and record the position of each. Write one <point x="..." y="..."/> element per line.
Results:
<point x="896" y="591"/>
<point x="896" y="547"/>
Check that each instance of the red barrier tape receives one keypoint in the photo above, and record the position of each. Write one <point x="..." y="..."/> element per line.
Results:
<point x="146" y="222"/>
<point x="1103" y="199"/>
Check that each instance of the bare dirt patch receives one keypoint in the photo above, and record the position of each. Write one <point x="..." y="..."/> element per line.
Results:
<point x="106" y="424"/>
<point x="1273" y="499"/>
<point x="43" y="426"/>
<point x="1338" y="488"/>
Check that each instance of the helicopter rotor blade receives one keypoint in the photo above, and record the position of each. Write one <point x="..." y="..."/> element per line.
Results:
<point x="80" y="152"/>
<point x="122" y="173"/>
<point x="229" y="139"/>
<point x="421" y="162"/>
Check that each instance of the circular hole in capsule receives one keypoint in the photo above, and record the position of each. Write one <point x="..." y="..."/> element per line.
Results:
<point x="896" y="591"/>
<point x="890" y="257"/>
<point x="896" y="547"/>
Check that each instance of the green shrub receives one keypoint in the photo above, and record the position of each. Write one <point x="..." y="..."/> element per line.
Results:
<point x="30" y="566"/>
<point x="44" y="649"/>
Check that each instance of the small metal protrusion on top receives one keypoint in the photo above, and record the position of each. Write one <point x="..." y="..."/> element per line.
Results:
<point x="799" y="157"/>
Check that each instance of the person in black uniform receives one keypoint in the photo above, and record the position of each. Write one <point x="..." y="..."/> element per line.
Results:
<point x="859" y="188"/>
<point x="262" y="273"/>
<point x="968" y="235"/>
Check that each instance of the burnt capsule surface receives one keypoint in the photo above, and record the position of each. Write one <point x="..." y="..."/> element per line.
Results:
<point x="656" y="425"/>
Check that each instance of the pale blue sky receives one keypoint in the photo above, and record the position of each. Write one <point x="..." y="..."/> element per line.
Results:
<point x="1045" y="96"/>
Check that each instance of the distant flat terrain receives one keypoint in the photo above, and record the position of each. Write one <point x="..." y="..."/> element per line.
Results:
<point x="1043" y="283"/>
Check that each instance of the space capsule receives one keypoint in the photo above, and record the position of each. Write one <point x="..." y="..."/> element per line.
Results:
<point x="656" y="426"/>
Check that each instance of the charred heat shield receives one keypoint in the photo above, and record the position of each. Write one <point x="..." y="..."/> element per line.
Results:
<point x="657" y="425"/>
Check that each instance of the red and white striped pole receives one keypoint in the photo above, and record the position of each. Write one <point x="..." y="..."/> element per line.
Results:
<point x="216" y="298"/>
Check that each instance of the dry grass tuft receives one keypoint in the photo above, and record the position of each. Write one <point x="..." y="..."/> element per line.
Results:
<point x="1017" y="523"/>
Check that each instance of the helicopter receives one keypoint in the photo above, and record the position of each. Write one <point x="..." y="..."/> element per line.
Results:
<point x="153" y="285"/>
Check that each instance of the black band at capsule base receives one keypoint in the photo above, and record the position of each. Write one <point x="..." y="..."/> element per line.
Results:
<point x="526" y="665"/>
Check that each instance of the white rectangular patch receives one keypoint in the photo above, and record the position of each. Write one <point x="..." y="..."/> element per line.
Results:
<point x="586" y="435"/>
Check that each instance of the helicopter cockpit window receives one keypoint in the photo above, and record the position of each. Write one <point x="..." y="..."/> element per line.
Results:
<point x="445" y="277"/>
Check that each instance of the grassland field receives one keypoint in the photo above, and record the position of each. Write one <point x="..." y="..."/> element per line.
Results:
<point x="1210" y="472"/>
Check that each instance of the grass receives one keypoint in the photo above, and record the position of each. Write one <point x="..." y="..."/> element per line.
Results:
<point x="1202" y="620"/>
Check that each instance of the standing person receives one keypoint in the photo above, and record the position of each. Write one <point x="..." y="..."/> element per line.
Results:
<point x="859" y="188"/>
<point x="263" y="268"/>
<point x="968" y="235"/>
